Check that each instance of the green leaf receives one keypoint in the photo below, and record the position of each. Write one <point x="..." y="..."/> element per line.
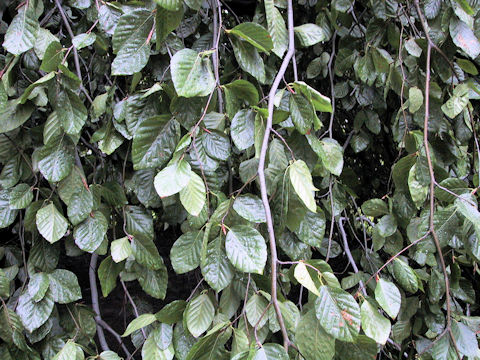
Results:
<point x="185" y="252"/>
<point x="64" y="286"/>
<point x="139" y="322"/>
<point x="309" y="34"/>
<point x="34" y="314"/>
<point x="89" y="234"/>
<point x="467" y="66"/>
<point x="14" y="115"/>
<point x="415" y="99"/>
<point x="374" y="207"/>
<point x="386" y="226"/>
<point x="243" y="129"/>
<point x="154" y="141"/>
<point x="465" y="339"/>
<point x="70" y="111"/>
<point x="170" y="5"/>
<point x="249" y="59"/>
<point x="303" y="277"/>
<point x="405" y="276"/>
<point x="109" y="355"/>
<point x="55" y="160"/>
<point x="173" y="178"/>
<point x="320" y="102"/>
<point x="131" y="42"/>
<point x="199" y="314"/>
<point x="38" y="286"/>
<point x="22" y="31"/>
<point x="312" y="340"/>
<point x="68" y="352"/>
<point x="388" y="297"/>
<point x="20" y="196"/>
<point x="80" y="205"/>
<point x="464" y="38"/>
<point x="301" y="180"/>
<point x="255" y="34"/>
<point x="338" y="313"/>
<point x="7" y="214"/>
<point x="374" y="324"/>
<point x="146" y="253"/>
<point x="28" y="91"/>
<point x="83" y="40"/>
<point x="53" y="56"/>
<point x="455" y="105"/>
<point x="120" y="249"/>
<point x="246" y="249"/>
<point x="154" y="282"/>
<point x="250" y="207"/>
<point x="192" y="73"/>
<point x="237" y="93"/>
<point x="193" y="196"/>
<point x="302" y="113"/>
<point x="312" y="228"/>
<point x="330" y="152"/>
<point x="255" y="310"/>
<point x="216" y="144"/>
<point x="166" y="21"/>
<point x="217" y="269"/>
<point x="276" y="28"/>
<point x="50" y="223"/>
<point x="363" y="348"/>
<point x="107" y="274"/>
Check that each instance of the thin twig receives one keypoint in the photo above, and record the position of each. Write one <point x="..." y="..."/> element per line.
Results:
<point x="95" y="304"/>
<point x="346" y="248"/>
<point x="75" y="52"/>
<point x="134" y="306"/>
<point x="115" y="335"/>
<point x="261" y="174"/>
<point x="217" y="26"/>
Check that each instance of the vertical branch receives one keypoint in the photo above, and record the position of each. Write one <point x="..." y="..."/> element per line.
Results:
<point x="261" y="172"/>
<point x="95" y="304"/>
<point x="75" y="52"/>
<point x="217" y="25"/>
<point x="432" y="177"/>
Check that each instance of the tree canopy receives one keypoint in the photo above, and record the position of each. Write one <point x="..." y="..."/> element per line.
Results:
<point x="243" y="180"/>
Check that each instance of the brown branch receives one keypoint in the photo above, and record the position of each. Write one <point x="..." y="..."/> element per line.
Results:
<point x="217" y="25"/>
<point x="432" y="178"/>
<point x="115" y="335"/>
<point x="95" y="304"/>
<point x="261" y="174"/>
<point x="75" y="52"/>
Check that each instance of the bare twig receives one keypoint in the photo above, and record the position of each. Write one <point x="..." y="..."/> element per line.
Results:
<point x="75" y="52"/>
<point x="217" y="26"/>
<point x="261" y="173"/>
<point x="134" y="306"/>
<point x="115" y="335"/>
<point x="346" y="248"/>
<point x="95" y="304"/>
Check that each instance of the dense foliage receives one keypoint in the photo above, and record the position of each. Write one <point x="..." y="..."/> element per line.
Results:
<point x="239" y="180"/>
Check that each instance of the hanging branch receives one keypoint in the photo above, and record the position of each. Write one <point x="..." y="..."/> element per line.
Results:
<point x="217" y="25"/>
<point x="432" y="181"/>
<point x="75" y="52"/>
<point x="261" y="173"/>
<point x="95" y="305"/>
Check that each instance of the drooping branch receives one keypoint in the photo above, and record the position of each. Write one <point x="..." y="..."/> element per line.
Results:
<point x="75" y="52"/>
<point x="95" y="304"/>
<point x="432" y="178"/>
<point x="261" y="173"/>
<point x="217" y="25"/>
